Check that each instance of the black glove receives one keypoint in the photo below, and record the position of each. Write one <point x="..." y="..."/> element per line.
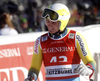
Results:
<point x="31" y="77"/>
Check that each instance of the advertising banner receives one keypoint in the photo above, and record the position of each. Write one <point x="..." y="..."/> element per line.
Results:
<point x="15" y="60"/>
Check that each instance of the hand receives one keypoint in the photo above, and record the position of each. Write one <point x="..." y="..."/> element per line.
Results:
<point x="7" y="17"/>
<point x="27" y="79"/>
<point x="32" y="77"/>
<point x="83" y="70"/>
<point x="8" y="20"/>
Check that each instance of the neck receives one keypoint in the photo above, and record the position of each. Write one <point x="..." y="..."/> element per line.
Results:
<point x="58" y="34"/>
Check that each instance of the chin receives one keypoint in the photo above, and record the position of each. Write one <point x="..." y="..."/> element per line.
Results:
<point x="51" y="32"/>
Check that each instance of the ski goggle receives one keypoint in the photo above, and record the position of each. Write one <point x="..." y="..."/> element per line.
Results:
<point x="51" y="14"/>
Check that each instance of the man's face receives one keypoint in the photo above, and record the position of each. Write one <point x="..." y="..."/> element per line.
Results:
<point x="53" y="27"/>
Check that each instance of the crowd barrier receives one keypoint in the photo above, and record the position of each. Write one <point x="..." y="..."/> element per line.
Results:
<point x="16" y="53"/>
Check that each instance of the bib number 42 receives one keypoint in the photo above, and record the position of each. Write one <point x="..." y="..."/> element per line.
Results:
<point x="59" y="59"/>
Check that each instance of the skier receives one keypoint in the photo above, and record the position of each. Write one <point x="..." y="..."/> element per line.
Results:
<point x="61" y="49"/>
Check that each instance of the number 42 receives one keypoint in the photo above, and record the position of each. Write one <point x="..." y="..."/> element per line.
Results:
<point x="60" y="59"/>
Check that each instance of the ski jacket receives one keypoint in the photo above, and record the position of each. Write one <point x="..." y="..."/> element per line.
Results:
<point x="61" y="55"/>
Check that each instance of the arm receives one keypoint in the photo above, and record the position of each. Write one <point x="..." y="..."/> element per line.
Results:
<point x="84" y="52"/>
<point x="36" y="59"/>
<point x="8" y="20"/>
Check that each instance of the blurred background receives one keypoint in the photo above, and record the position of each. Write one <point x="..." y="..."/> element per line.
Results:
<point x="26" y="14"/>
<point x="25" y="17"/>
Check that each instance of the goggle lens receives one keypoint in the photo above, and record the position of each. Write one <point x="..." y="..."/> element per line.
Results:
<point x="51" y="14"/>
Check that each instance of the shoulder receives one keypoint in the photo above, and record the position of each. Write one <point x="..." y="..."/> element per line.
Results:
<point x="5" y="31"/>
<point x="46" y="34"/>
<point x="42" y="37"/>
<point x="8" y="31"/>
<point x="79" y="35"/>
<point x="13" y="31"/>
<point x="71" y="31"/>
